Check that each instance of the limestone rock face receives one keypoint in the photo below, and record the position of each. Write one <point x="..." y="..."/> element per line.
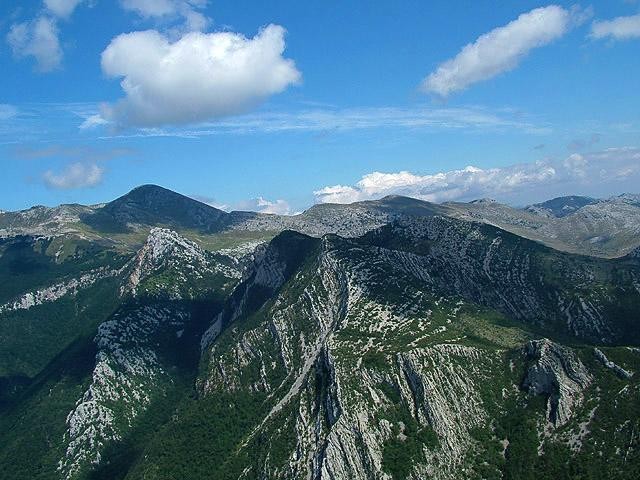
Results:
<point x="557" y="372"/>
<point x="165" y="249"/>
<point x="127" y="376"/>
<point x="617" y="369"/>
<point x="347" y="400"/>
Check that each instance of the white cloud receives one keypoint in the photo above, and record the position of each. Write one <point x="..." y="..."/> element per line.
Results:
<point x="262" y="205"/>
<point x="150" y="8"/>
<point x="198" y="77"/>
<point x="170" y="10"/>
<point x="62" y="8"/>
<point x="587" y="171"/>
<point x="499" y="50"/>
<point x="620" y="28"/>
<point x="326" y="121"/>
<point x="576" y="164"/>
<point x="38" y="39"/>
<point x="259" y="204"/>
<point x="74" y="175"/>
<point x="93" y="121"/>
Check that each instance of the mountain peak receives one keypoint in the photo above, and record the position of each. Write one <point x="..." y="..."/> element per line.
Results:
<point x="158" y="206"/>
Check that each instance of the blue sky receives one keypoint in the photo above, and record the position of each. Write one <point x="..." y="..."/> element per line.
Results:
<point x="274" y="106"/>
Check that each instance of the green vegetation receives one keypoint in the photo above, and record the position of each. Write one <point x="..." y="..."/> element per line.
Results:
<point x="27" y="263"/>
<point x="401" y="452"/>
<point x="32" y="338"/>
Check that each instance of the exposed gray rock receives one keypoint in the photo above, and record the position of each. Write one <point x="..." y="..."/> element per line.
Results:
<point x="165" y="248"/>
<point x="59" y="290"/>
<point x="557" y="372"/>
<point x="126" y="377"/>
<point x="617" y="369"/>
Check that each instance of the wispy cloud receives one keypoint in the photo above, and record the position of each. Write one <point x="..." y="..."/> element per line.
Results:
<point x="501" y="49"/>
<point x="577" y="170"/>
<point x="33" y="122"/>
<point x="62" y="8"/>
<point x="620" y="28"/>
<point x="38" y="39"/>
<point x="332" y="120"/>
<point x="170" y="11"/>
<point x="86" y="154"/>
<point x="74" y="175"/>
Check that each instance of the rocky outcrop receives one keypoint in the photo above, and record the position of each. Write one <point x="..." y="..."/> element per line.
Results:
<point x="344" y="409"/>
<point x="557" y="372"/>
<point x="127" y="376"/>
<point x="166" y="249"/>
<point x="617" y="369"/>
<point x="271" y="266"/>
<point x="59" y="290"/>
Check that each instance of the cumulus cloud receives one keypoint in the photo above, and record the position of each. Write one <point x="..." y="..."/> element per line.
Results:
<point x="500" y="50"/>
<point x="259" y="204"/>
<point x="198" y="77"/>
<point x="279" y="207"/>
<point x="38" y="39"/>
<point x="589" y="170"/>
<point x="620" y="28"/>
<point x="576" y="165"/>
<point x="262" y="205"/>
<point x="62" y="8"/>
<point x="170" y="10"/>
<point x="74" y="175"/>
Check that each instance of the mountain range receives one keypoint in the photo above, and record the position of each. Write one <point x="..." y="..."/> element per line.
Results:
<point x="157" y="337"/>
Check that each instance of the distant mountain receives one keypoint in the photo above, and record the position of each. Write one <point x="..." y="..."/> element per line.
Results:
<point x="606" y="228"/>
<point x="562" y="206"/>
<point x="153" y="205"/>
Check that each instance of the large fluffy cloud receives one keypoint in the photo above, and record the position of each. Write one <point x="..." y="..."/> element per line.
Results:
<point x="38" y="39"/>
<point x="499" y="50"/>
<point x="198" y="77"/>
<point x="75" y="175"/>
<point x="620" y="28"/>
<point x="584" y="171"/>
